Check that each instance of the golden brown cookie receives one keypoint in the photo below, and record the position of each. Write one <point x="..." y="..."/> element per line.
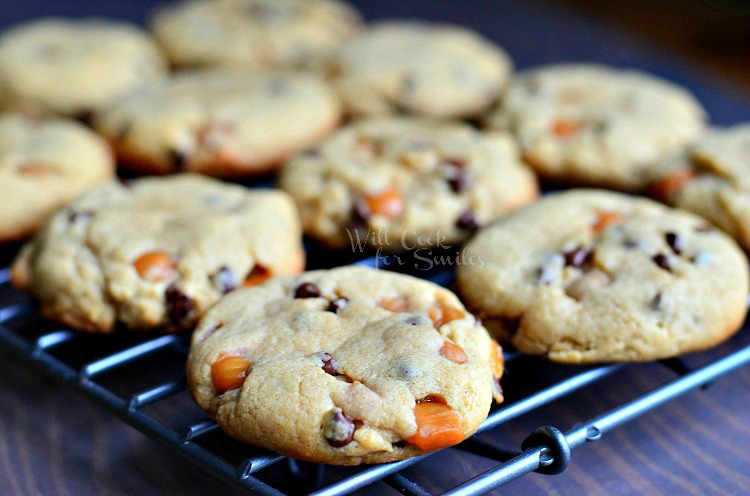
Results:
<point x="45" y="163"/>
<point x="594" y="125"/>
<point x="592" y="276"/>
<point x="155" y="253"/>
<point x="344" y="366"/>
<point x="710" y="179"/>
<point x="75" y="67"/>
<point x="403" y="183"/>
<point x="220" y="122"/>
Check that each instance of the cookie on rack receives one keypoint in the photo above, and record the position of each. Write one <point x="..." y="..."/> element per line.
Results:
<point x="594" y="125"/>
<point x="592" y="276"/>
<point x="220" y="122"/>
<point x="154" y="254"/>
<point x="253" y="33"/>
<point x="401" y="183"/>
<point x="75" y="67"/>
<point x="345" y="366"/>
<point x="425" y="69"/>
<point x="45" y="163"/>
<point x="710" y="179"/>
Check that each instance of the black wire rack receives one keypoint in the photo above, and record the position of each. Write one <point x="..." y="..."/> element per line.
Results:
<point x="546" y="450"/>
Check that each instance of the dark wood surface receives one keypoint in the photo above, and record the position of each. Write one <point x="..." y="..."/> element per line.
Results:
<point x="53" y="441"/>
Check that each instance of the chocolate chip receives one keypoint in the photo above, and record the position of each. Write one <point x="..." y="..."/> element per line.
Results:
<point x="328" y="366"/>
<point x="307" y="290"/>
<point x="179" y="305"/>
<point x="224" y="279"/>
<point x="338" y="428"/>
<point x="311" y="153"/>
<point x="545" y="275"/>
<point x="459" y="182"/>
<point x="656" y="301"/>
<point x="415" y="320"/>
<point x="467" y="221"/>
<point x="674" y="242"/>
<point x="631" y="244"/>
<point x="406" y="370"/>
<point x="75" y="215"/>
<point x="337" y="304"/>
<point x="579" y="256"/>
<point x="178" y="159"/>
<point x="85" y="117"/>
<point x="662" y="261"/>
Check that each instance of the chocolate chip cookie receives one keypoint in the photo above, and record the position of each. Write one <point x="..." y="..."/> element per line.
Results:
<point x="253" y="33"/>
<point x="345" y="366"/>
<point x="45" y="163"/>
<point x="710" y="179"/>
<point x="156" y="253"/>
<point x="75" y="67"/>
<point x="419" y="68"/>
<point x="596" y="125"/>
<point x="220" y="122"/>
<point x="591" y="276"/>
<point x="401" y="183"/>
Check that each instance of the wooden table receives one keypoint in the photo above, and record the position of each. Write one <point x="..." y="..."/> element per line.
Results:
<point x="53" y="441"/>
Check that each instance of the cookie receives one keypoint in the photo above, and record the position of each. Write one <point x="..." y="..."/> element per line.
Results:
<point x="220" y="122"/>
<point x="418" y="68"/>
<point x="595" y="125"/>
<point x="401" y="183"/>
<point x="592" y="276"/>
<point x="45" y="163"/>
<point x="75" y="67"/>
<point x="345" y="366"/>
<point x="155" y="253"/>
<point x="253" y="33"/>
<point x="710" y="179"/>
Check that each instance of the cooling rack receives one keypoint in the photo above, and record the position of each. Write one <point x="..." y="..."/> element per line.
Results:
<point x="547" y="449"/>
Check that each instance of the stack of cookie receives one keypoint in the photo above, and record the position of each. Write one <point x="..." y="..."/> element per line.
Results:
<point x="406" y="135"/>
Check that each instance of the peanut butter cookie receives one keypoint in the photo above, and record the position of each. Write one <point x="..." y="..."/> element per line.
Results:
<point x="592" y="276"/>
<point x="419" y="68"/>
<point x="156" y="253"/>
<point x="45" y="163"/>
<point x="401" y="183"/>
<point x="75" y="67"/>
<point x="345" y="366"/>
<point x="595" y="125"/>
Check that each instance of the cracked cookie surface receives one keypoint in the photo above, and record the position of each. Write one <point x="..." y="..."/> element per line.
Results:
<point x="75" y="67"/>
<point x="220" y="122"/>
<point x="401" y="183"/>
<point x="156" y="253"/>
<point x="418" y="68"/>
<point x="592" y="276"/>
<point x="45" y="163"/>
<point x="711" y="179"/>
<point x="596" y="125"/>
<point x="253" y="33"/>
<point x="345" y="366"/>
